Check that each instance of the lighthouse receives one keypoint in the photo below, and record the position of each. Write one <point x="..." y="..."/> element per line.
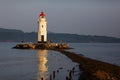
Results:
<point x="42" y="28"/>
<point x="42" y="38"/>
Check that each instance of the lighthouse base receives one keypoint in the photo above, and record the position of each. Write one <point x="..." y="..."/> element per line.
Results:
<point x="42" y="42"/>
<point x="42" y="46"/>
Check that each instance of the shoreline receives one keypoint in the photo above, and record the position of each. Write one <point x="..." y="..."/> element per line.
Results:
<point x="93" y="69"/>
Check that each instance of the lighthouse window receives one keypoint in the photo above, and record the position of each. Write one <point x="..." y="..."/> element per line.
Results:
<point x="42" y="26"/>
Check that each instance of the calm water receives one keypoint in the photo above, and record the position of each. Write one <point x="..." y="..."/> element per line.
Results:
<point x="18" y="64"/>
<point x="107" y="52"/>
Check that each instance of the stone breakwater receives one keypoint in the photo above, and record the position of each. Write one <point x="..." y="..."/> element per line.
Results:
<point x="94" y="69"/>
<point x="42" y="46"/>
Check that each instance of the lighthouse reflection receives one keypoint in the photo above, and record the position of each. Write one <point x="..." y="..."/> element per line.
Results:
<point x="42" y="68"/>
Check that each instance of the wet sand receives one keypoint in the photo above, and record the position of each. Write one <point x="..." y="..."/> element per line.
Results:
<point x="93" y="69"/>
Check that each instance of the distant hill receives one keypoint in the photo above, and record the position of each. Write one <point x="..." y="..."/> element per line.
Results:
<point x="12" y="35"/>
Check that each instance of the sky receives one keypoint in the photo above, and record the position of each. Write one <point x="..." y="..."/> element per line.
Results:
<point x="84" y="17"/>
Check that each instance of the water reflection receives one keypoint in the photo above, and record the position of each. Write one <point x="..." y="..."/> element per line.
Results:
<point x="42" y="68"/>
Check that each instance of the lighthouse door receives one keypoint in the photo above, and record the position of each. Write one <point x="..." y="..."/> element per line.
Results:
<point x="42" y="38"/>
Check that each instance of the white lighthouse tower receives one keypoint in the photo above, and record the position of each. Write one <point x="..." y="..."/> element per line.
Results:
<point x="42" y="28"/>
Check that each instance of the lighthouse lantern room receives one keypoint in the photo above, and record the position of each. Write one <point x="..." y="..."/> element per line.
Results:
<point x="42" y="28"/>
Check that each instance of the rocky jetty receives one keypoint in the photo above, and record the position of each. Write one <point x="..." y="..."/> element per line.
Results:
<point x="42" y="46"/>
<point x="93" y="69"/>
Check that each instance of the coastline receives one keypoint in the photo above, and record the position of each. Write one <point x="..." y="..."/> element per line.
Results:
<point x="93" y="69"/>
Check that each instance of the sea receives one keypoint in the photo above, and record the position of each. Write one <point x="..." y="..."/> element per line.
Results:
<point x="106" y="52"/>
<point x="18" y="64"/>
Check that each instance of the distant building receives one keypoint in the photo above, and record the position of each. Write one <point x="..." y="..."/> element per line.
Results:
<point x="42" y="28"/>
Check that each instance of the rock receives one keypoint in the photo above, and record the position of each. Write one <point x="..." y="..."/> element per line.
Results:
<point x="41" y="46"/>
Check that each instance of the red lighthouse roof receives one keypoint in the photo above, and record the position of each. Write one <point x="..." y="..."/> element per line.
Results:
<point x="42" y="14"/>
